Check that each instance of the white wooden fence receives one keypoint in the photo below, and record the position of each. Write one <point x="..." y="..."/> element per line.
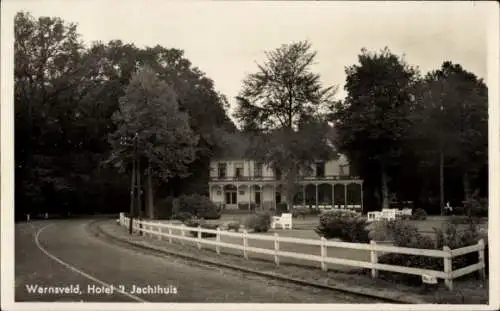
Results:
<point x="448" y="275"/>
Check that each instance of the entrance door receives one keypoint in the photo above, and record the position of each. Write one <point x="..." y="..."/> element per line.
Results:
<point x="257" y="198"/>
<point x="230" y="197"/>
<point x="278" y="197"/>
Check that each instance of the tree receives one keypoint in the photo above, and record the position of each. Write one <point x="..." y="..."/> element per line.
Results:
<point x="165" y="143"/>
<point x="53" y="76"/>
<point x="373" y="121"/>
<point x="276" y="103"/>
<point x="451" y="123"/>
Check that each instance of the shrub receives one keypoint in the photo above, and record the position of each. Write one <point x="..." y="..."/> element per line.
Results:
<point x="281" y="208"/>
<point x="381" y="231"/>
<point x="260" y="222"/>
<point x="450" y="236"/>
<point x="419" y="214"/>
<point x="304" y="211"/>
<point x="195" y="205"/>
<point x="195" y="222"/>
<point x="183" y="216"/>
<point x="300" y="211"/>
<point x="348" y="227"/>
<point x="407" y="235"/>
<point x="164" y="208"/>
<point x="233" y="225"/>
<point x="243" y="206"/>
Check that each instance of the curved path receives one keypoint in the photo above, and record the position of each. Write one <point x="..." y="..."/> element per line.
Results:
<point x="58" y="254"/>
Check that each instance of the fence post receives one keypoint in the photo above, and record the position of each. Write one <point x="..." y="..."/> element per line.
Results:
<point x="199" y="237"/>
<point x="169" y="235"/>
<point x="482" y="271"/>
<point x="323" y="253"/>
<point x="448" y="268"/>
<point x="373" y="258"/>
<point x="27" y="217"/>
<point x="160" y="231"/>
<point x="245" y="243"/>
<point x="217" y="239"/>
<point x="276" y="249"/>
<point x="183" y="233"/>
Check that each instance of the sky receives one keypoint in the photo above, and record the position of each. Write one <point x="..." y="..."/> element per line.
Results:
<point x="227" y="39"/>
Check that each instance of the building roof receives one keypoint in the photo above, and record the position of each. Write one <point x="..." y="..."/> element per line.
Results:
<point x="236" y="145"/>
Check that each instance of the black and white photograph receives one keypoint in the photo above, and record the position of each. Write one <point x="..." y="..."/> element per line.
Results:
<point x="290" y="155"/>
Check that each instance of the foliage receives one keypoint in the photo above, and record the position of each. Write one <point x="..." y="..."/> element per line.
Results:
<point x="281" y="208"/>
<point x="260" y="222"/>
<point x="418" y="214"/>
<point x="280" y="105"/>
<point x="197" y="222"/>
<point x="164" y="208"/>
<point x="65" y="95"/>
<point x="372" y="122"/>
<point x="451" y="117"/>
<point x="348" y="227"/>
<point x="243" y="206"/>
<point x="406" y="235"/>
<point x="454" y="238"/>
<point x="195" y="205"/>
<point x="382" y="230"/>
<point x="474" y="207"/>
<point x="304" y="211"/>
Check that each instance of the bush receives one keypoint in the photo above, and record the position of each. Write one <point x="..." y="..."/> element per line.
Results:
<point x="382" y="231"/>
<point x="348" y="227"/>
<point x="281" y="208"/>
<point x="304" y="211"/>
<point x="197" y="222"/>
<point x="407" y="235"/>
<point x="183" y="216"/>
<point x="472" y="207"/>
<point x="243" y="206"/>
<point x="453" y="238"/>
<point x="195" y="205"/>
<point x="164" y="208"/>
<point x="419" y="214"/>
<point x="300" y="211"/>
<point x="260" y="222"/>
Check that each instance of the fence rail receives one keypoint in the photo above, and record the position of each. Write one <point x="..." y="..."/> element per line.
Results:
<point x="157" y="229"/>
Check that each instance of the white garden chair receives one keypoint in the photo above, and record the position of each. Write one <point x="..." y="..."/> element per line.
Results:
<point x="406" y="211"/>
<point x="374" y="216"/>
<point x="285" y="221"/>
<point x="389" y="214"/>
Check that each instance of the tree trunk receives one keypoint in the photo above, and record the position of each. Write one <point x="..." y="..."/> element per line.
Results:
<point x="150" y="197"/>
<point x="466" y="185"/>
<point x="139" y="193"/>
<point x="441" y="181"/>
<point x="132" y="198"/>
<point x="290" y="187"/>
<point x="385" y="187"/>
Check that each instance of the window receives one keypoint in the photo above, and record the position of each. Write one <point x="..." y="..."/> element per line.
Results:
<point x="238" y="170"/>
<point x="344" y="170"/>
<point x="320" y="169"/>
<point x="257" y="169"/>
<point x="222" y="170"/>
<point x="277" y="173"/>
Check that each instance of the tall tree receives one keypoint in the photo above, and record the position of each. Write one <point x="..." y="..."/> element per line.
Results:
<point x="373" y="121"/>
<point x="451" y="123"/>
<point x="276" y="101"/>
<point x="165" y="144"/>
<point x="53" y="75"/>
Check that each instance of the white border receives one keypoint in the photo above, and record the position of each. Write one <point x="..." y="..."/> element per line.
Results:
<point x="7" y="194"/>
